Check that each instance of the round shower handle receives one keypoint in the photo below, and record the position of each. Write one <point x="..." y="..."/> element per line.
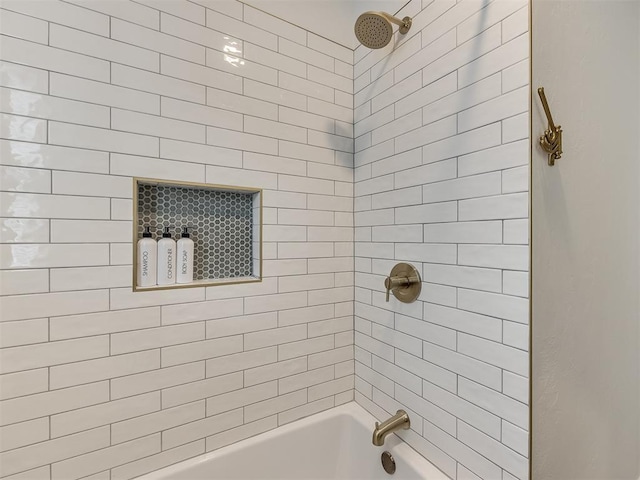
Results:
<point x="404" y="282"/>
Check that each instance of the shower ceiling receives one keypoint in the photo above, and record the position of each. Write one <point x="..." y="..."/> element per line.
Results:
<point x="332" y="19"/>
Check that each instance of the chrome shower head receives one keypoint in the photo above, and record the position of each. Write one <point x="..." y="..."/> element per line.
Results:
<point x="374" y="30"/>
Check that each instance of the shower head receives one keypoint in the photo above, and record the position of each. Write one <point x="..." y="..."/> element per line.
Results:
<point x="374" y="30"/>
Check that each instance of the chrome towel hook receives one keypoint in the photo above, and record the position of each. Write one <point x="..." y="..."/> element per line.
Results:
<point x="551" y="141"/>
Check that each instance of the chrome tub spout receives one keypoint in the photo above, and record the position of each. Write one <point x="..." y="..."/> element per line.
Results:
<point x="399" y="421"/>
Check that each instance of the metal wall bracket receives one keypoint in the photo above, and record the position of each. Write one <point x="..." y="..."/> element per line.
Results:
<point x="551" y="141"/>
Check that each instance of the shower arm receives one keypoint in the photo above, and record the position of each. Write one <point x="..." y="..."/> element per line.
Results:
<point x="405" y="22"/>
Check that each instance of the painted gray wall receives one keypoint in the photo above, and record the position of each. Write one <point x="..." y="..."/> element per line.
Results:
<point x="585" y="243"/>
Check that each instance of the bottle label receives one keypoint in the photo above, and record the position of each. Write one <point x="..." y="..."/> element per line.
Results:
<point x="185" y="260"/>
<point x="145" y="263"/>
<point x="170" y="263"/>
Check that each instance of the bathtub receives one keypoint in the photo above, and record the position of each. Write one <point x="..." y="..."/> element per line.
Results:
<point x="335" y="444"/>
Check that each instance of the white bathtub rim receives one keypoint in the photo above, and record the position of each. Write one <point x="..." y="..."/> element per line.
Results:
<point x="352" y="409"/>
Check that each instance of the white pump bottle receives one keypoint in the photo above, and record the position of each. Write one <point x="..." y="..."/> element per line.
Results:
<point x="166" y="259"/>
<point x="147" y="260"/>
<point x="185" y="257"/>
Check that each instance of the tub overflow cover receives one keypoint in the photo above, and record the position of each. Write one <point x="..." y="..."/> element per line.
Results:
<point x="388" y="463"/>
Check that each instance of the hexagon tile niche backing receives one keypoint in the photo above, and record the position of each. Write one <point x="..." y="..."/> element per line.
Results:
<point x="220" y="224"/>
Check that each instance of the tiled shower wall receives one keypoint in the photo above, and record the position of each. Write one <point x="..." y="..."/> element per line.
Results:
<point x="441" y="181"/>
<point x="95" y="379"/>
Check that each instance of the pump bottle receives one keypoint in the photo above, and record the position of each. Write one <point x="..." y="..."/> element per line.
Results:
<point x="185" y="257"/>
<point x="166" y="259"/>
<point x="147" y="259"/>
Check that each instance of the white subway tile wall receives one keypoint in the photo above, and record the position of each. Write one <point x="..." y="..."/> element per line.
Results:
<point x="96" y="380"/>
<point x="441" y="182"/>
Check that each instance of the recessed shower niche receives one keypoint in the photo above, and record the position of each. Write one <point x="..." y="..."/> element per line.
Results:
<point x="224" y="222"/>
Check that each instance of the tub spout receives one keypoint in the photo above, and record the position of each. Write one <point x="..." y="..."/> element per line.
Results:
<point x="399" y="421"/>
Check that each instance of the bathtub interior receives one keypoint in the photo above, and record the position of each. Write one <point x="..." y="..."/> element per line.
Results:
<point x="335" y="444"/>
